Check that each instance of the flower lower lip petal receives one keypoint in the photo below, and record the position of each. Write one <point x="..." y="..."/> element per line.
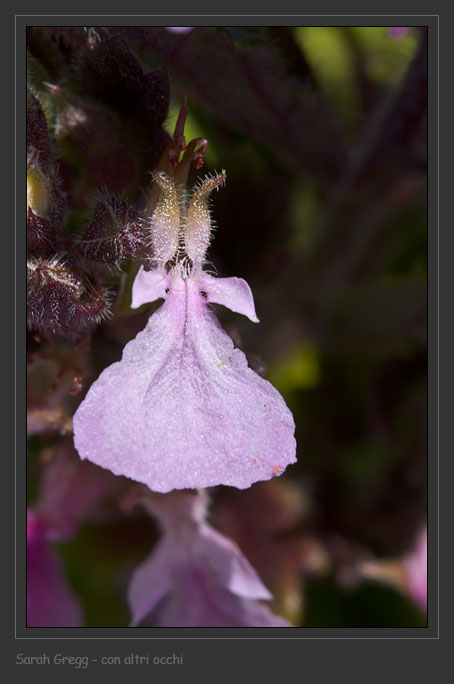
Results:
<point x="182" y="409"/>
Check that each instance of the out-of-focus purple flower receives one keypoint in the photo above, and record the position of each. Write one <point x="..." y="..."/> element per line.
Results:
<point x="182" y="409"/>
<point x="196" y="577"/>
<point x="415" y="565"/>
<point x="72" y="491"/>
<point x="50" y="601"/>
<point x="179" y="29"/>
<point x="398" y="31"/>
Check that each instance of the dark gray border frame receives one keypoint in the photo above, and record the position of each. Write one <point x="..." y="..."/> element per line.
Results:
<point x="169" y="640"/>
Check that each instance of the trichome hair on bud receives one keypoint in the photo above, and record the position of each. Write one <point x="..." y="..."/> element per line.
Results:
<point x="115" y="233"/>
<point x="38" y="142"/>
<point x="61" y="300"/>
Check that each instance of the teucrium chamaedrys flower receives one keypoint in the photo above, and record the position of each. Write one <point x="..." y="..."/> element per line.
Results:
<point x="182" y="409"/>
<point x="196" y="577"/>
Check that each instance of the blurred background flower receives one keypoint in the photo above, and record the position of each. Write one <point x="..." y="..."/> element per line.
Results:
<point x="323" y="133"/>
<point x="397" y="31"/>
<point x="50" y="601"/>
<point x="196" y="577"/>
<point x="179" y="29"/>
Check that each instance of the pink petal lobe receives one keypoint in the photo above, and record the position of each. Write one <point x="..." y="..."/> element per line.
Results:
<point x="149" y="286"/>
<point x="150" y="583"/>
<point x="182" y="409"/>
<point x="234" y="293"/>
<point x="232" y="569"/>
<point x="197" y="601"/>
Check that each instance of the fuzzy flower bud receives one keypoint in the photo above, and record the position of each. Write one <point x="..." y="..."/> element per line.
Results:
<point x="38" y="142"/>
<point x="39" y="190"/>
<point x="114" y="234"/>
<point x="45" y="200"/>
<point x="59" y="300"/>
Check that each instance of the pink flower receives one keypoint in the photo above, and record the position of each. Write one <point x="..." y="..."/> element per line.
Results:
<point x="182" y="409"/>
<point x="398" y="31"/>
<point x="196" y="577"/>
<point x="415" y="565"/>
<point x="72" y="491"/>
<point x="50" y="601"/>
<point x="179" y="29"/>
